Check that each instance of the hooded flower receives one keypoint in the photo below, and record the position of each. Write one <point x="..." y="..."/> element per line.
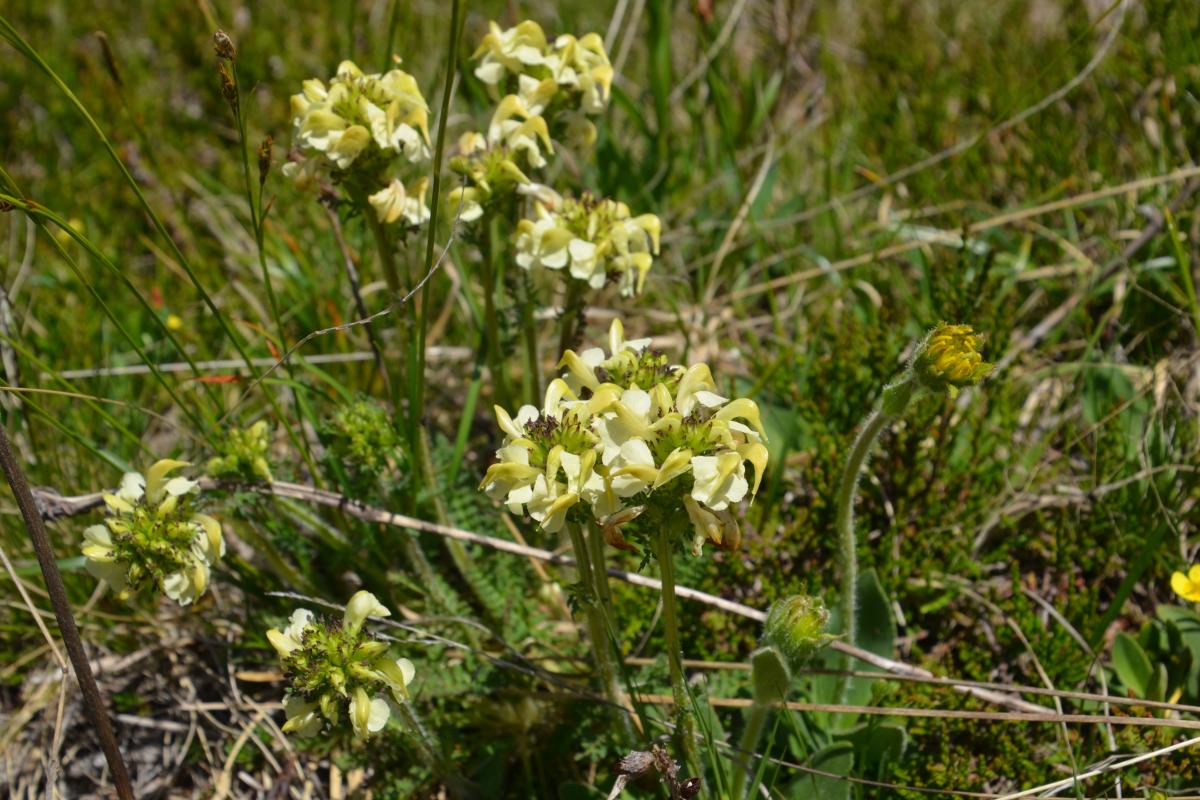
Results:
<point x="591" y="239"/>
<point x="358" y="119"/>
<point x="151" y="534"/>
<point x="572" y="74"/>
<point x="339" y="669"/>
<point x="582" y="66"/>
<point x="521" y="131"/>
<point x="394" y="202"/>
<point x="487" y="173"/>
<point x="545" y="464"/>
<point x="635" y="440"/>
<point x="510" y="52"/>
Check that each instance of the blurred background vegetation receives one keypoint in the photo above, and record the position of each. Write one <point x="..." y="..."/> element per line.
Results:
<point x="833" y="179"/>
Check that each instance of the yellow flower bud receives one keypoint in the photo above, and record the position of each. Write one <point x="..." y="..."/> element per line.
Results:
<point x="950" y="359"/>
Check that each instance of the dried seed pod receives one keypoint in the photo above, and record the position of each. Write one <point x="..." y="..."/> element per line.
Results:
<point x="223" y="45"/>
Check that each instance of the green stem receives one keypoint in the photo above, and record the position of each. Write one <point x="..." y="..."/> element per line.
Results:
<point x="595" y="542"/>
<point x="299" y="441"/>
<point x="570" y="322"/>
<point x="685" y="725"/>
<point x="893" y="402"/>
<point x="385" y="247"/>
<point x="747" y="745"/>
<point x="533" y="369"/>
<point x="490" y="319"/>
<point x="417" y="389"/>
<point x="602" y="649"/>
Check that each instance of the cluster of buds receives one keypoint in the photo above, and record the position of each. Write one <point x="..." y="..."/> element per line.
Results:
<point x="634" y="442"/>
<point x="243" y="454"/>
<point x="151" y="534"/>
<point x="797" y="627"/>
<point x="339" y="671"/>
<point x="949" y="359"/>
<point x="354" y="130"/>
<point x="592" y="239"/>
<point x="538" y="86"/>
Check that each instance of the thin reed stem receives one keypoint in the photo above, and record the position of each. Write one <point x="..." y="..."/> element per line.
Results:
<point x="93" y="701"/>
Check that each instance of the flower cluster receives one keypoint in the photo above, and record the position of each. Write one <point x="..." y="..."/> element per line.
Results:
<point x="571" y="74"/>
<point x="950" y="359"/>
<point x="634" y="441"/>
<point x="538" y="86"/>
<point x="355" y="128"/>
<point x="592" y="239"/>
<point x="339" y="668"/>
<point x="151" y="534"/>
<point x="243" y="454"/>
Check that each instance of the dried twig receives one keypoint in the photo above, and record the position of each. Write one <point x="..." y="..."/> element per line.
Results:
<point x="54" y="506"/>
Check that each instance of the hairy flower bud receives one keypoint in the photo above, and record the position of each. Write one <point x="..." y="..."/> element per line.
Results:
<point x="950" y="359"/>
<point x="796" y="626"/>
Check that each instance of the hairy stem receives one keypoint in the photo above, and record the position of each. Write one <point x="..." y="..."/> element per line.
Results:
<point x="893" y="402"/>
<point x="93" y="702"/>
<point x="533" y="374"/>
<point x="755" y="723"/>
<point x="594" y="618"/>
<point x="490" y="319"/>
<point x="571" y="321"/>
<point x="685" y="725"/>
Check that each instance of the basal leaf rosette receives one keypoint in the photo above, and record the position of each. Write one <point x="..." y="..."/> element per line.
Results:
<point x="339" y="671"/>
<point x="152" y="535"/>
<point x="591" y="239"/>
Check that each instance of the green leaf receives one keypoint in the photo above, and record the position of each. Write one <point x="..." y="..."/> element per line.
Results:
<point x="1132" y="664"/>
<point x="876" y="746"/>
<point x="837" y="759"/>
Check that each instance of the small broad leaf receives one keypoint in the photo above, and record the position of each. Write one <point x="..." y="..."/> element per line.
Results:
<point x="1132" y="664"/>
<point x="837" y="759"/>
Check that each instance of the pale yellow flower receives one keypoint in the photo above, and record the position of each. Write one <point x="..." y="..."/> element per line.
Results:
<point x="151" y="534"/>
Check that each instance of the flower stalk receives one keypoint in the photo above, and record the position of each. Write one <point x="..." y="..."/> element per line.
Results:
<point x="948" y="359"/>
<point x="596" y="621"/>
<point x="684" y="724"/>
<point x="896" y="397"/>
